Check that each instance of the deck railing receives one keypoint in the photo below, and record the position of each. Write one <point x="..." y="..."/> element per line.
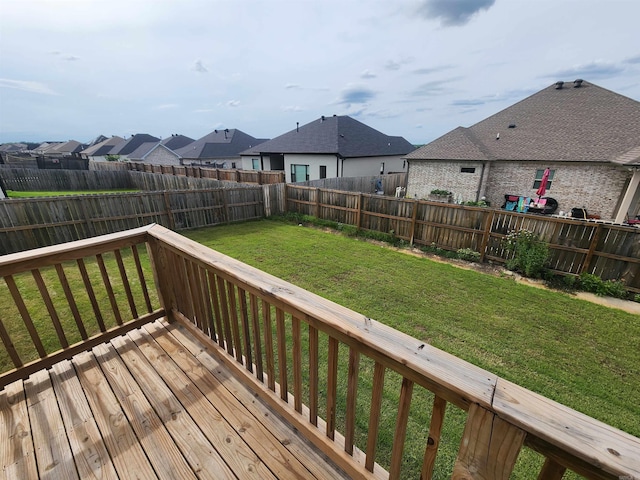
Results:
<point x="303" y="355"/>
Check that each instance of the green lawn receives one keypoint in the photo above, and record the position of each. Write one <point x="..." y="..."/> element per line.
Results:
<point x="583" y="355"/>
<point x="17" y="194"/>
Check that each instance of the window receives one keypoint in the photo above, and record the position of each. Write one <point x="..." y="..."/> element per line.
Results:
<point x="255" y="163"/>
<point x="467" y="170"/>
<point x="299" y="173"/>
<point x="538" y="179"/>
<point x="323" y="171"/>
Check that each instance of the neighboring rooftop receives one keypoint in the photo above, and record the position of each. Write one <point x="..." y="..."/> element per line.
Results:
<point x="174" y="142"/>
<point x="340" y="135"/>
<point x="134" y="142"/>
<point x="567" y="121"/>
<point x="103" y="147"/>
<point x="224" y="143"/>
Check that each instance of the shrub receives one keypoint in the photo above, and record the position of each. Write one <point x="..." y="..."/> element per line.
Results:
<point x="636" y="297"/>
<point x="440" y="192"/>
<point x="530" y="254"/>
<point x="606" y="288"/>
<point x="468" y="254"/>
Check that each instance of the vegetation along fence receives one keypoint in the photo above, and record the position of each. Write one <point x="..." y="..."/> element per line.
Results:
<point x="577" y="246"/>
<point x="36" y="222"/>
<point x="232" y="175"/>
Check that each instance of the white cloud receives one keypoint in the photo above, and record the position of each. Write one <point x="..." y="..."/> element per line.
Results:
<point x="27" y="86"/>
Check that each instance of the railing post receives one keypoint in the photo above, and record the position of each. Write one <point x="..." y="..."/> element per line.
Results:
<point x="162" y="277"/>
<point x="489" y="447"/>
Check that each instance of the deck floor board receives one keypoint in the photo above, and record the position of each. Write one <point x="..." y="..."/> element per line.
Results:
<point x="147" y="405"/>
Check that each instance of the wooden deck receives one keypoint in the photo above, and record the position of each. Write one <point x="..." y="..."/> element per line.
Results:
<point x="151" y="404"/>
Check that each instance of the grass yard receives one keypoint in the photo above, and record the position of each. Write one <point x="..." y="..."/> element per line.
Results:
<point x="583" y="355"/>
<point x="17" y="194"/>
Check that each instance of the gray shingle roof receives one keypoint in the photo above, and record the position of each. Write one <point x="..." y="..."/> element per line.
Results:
<point x="219" y="144"/>
<point x="140" y="152"/>
<point x="103" y="147"/>
<point x="589" y="123"/>
<point x="175" y="142"/>
<point x="340" y="135"/>
<point x="134" y="142"/>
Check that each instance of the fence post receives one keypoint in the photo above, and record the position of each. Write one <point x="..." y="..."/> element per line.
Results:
<point x="167" y="206"/>
<point x="225" y="204"/>
<point x="488" y="222"/>
<point x="592" y="248"/>
<point x="87" y="219"/>
<point x="359" y="212"/>
<point x="414" y="217"/>
<point x="317" y="203"/>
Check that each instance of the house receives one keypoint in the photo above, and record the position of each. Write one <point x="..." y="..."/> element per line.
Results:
<point x="65" y="149"/>
<point x="337" y="146"/>
<point x="220" y="148"/>
<point x="123" y="150"/>
<point x="98" y="151"/>
<point x="587" y="136"/>
<point x="162" y="152"/>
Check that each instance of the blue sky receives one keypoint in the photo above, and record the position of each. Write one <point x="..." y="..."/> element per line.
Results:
<point x="76" y="69"/>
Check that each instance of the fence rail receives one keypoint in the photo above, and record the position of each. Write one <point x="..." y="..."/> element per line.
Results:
<point x="360" y="184"/>
<point x="576" y="246"/>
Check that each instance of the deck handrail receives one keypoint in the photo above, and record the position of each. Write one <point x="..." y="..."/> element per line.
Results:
<point x="237" y="311"/>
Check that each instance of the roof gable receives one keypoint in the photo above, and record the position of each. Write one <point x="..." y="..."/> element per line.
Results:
<point x="134" y="142"/>
<point x="578" y="122"/>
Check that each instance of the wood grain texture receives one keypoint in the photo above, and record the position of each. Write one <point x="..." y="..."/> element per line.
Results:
<point x="433" y="441"/>
<point x="16" y="443"/>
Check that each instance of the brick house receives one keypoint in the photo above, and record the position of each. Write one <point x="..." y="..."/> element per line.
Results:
<point x="588" y="137"/>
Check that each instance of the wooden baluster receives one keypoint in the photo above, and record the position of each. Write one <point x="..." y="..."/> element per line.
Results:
<point x="194" y="293"/>
<point x="53" y="314"/>
<point x="71" y="301"/>
<point x="282" y="354"/>
<point x="24" y="313"/>
<point x="489" y="447"/>
<point x="313" y="375"/>
<point x="332" y="384"/>
<point x="430" y="452"/>
<point x="257" y="344"/>
<point x="374" y="415"/>
<point x="125" y="284"/>
<point x="213" y="292"/>
<point x="268" y="346"/>
<point x="233" y="318"/>
<point x="9" y="346"/>
<point x="206" y="304"/>
<point x="297" y="364"/>
<point x="224" y="306"/>
<point x="551" y="470"/>
<point x="109" y="289"/>
<point x="244" y="315"/>
<point x="92" y="296"/>
<point x="143" y="283"/>
<point x="352" y="394"/>
<point x="401" y="429"/>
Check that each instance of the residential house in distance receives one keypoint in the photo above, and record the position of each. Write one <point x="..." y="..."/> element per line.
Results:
<point x="123" y="150"/>
<point x="337" y="146"/>
<point x="99" y="151"/>
<point x="587" y="136"/>
<point x="219" y="149"/>
<point x="162" y="152"/>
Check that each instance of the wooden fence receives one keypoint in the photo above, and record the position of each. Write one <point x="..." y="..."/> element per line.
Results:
<point x="577" y="246"/>
<point x="360" y="184"/>
<point x="230" y="175"/>
<point x="36" y="222"/>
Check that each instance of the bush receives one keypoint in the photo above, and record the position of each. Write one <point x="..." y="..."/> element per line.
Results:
<point x="530" y="254"/>
<point x="605" y="288"/>
<point x="468" y="254"/>
<point x="440" y="192"/>
<point x="636" y="297"/>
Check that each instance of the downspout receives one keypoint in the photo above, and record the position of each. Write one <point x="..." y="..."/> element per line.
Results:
<point x="261" y="162"/>
<point x="337" y="165"/>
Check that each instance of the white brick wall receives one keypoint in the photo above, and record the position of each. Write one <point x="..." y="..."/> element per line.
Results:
<point x="595" y="186"/>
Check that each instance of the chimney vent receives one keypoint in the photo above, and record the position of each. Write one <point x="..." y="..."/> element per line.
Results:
<point x="559" y="85"/>
<point x="577" y="83"/>
<point x="297" y="126"/>
<point x="322" y="119"/>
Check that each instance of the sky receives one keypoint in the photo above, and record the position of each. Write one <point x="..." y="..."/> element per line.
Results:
<point x="76" y="69"/>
